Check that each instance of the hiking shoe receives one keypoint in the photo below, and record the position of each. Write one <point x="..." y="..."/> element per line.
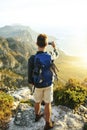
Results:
<point x="49" y="125"/>
<point x="38" y="117"/>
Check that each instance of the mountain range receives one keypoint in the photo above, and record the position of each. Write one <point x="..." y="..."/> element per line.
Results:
<point x="17" y="43"/>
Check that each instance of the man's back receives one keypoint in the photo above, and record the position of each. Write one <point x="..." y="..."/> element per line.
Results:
<point x="42" y="70"/>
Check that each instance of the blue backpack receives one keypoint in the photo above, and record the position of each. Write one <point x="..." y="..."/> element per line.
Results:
<point x="42" y="73"/>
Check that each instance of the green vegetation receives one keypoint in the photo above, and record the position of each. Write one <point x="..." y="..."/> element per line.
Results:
<point x="85" y="126"/>
<point x="72" y="94"/>
<point x="6" y="103"/>
<point x="29" y="102"/>
<point x="9" y="80"/>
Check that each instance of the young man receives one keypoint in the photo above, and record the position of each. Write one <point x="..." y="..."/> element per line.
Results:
<point x="44" y="89"/>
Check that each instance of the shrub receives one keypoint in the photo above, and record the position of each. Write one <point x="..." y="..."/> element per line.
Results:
<point x="6" y="103"/>
<point x="85" y="126"/>
<point x="29" y="102"/>
<point x="72" y="95"/>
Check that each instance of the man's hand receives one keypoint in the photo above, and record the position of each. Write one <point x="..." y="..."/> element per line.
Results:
<point x="53" y="44"/>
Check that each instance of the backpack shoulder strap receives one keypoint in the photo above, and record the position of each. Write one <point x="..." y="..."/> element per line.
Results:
<point x="30" y="68"/>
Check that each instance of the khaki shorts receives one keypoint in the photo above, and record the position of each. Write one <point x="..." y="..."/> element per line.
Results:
<point x="43" y="94"/>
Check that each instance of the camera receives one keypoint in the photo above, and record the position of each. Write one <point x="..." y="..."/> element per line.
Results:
<point x="49" y="43"/>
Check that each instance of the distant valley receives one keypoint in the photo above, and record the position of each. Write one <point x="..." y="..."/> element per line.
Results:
<point x="17" y="43"/>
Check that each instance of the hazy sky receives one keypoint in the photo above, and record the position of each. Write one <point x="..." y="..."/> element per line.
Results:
<point x="65" y="19"/>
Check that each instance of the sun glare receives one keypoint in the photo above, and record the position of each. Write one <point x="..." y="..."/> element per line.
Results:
<point x="82" y="62"/>
<point x="84" y="59"/>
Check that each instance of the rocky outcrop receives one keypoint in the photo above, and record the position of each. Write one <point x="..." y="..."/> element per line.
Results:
<point x="64" y="118"/>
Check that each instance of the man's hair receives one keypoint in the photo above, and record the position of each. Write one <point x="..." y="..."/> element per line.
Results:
<point x="42" y="40"/>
